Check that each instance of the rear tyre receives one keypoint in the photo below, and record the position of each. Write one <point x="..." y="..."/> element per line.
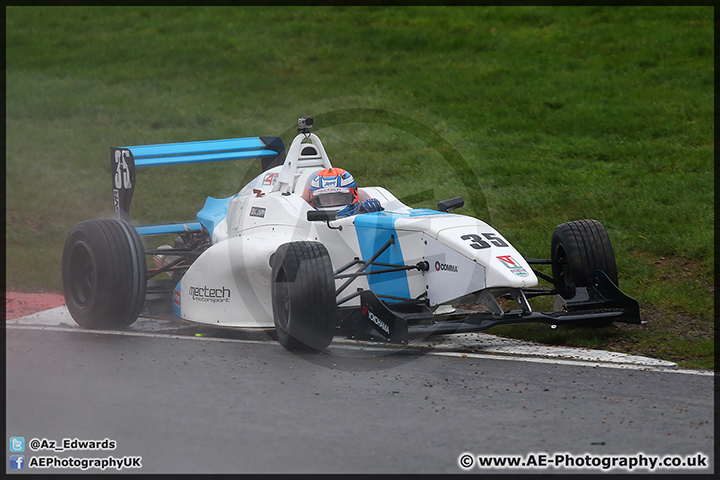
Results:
<point x="577" y="249"/>
<point x="104" y="274"/>
<point x="303" y="296"/>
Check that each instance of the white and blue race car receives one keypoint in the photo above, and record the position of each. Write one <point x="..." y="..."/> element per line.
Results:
<point x="266" y="259"/>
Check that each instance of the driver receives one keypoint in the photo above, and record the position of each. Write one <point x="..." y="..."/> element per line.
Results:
<point x="334" y="189"/>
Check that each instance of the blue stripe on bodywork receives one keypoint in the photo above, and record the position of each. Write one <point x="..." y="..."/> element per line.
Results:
<point x="373" y="231"/>
<point x="177" y="310"/>
<point x="213" y="212"/>
<point x="421" y="212"/>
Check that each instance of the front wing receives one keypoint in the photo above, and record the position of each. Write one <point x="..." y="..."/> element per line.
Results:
<point x="376" y="320"/>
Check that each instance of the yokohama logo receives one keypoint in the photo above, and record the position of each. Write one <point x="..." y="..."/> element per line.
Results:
<point x="374" y="318"/>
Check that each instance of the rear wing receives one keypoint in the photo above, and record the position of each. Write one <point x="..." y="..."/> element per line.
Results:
<point x="124" y="161"/>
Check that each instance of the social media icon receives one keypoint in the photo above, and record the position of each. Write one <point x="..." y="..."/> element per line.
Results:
<point x="17" y="444"/>
<point x="17" y="462"/>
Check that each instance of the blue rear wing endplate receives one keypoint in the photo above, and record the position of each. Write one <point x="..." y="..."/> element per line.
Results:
<point x="124" y="160"/>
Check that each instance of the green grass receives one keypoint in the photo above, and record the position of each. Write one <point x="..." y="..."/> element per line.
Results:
<point x="535" y="115"/>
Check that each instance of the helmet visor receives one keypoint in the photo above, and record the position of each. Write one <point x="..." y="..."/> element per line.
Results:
<point x="332" y="197"/>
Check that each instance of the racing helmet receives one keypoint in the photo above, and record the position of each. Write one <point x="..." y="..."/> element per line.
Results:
<point x="334" y="189"/>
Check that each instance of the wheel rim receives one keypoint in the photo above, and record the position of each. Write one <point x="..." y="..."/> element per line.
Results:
<point x="82" y="275"/>
<point x="283" y="301"/>
<point x="561" y="258"/>
<point x="563" y="283"/>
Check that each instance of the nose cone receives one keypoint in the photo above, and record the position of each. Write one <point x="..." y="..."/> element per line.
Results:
<point x="504" y="266"/>
<point x="512" y="270"/>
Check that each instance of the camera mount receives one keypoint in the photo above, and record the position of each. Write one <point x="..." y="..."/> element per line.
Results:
<point x="304" y="125"/>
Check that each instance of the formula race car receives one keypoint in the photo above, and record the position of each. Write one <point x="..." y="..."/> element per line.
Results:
<point x="271" y="258"/>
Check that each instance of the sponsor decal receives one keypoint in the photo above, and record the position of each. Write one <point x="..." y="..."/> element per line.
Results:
<point x="116" y="199"/>
<point x="257" y="212"/>
<point x="512" y="264"/>
<point x="208" y="294"/>
<point x="176" y="297"/>
<point x="376" y="320"/>
<point x="446" y="267"/>
<point x="270" y="179"/>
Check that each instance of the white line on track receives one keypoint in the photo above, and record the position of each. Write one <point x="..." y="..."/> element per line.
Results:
<point x="558" y="361"/>
<point x="346" y="345"/>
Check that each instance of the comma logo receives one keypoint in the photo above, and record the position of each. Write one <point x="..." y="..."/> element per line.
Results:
<point x="445" y="267"/>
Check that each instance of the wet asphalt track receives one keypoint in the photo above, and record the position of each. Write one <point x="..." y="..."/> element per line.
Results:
<point x="245" y="405"/>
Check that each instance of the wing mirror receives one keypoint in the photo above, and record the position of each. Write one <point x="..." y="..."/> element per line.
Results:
<point x="322" y="216"/>
<point x="446" y="205"/>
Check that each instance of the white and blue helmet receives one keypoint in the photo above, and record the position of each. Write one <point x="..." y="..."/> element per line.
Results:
<point x="334" y="189"/>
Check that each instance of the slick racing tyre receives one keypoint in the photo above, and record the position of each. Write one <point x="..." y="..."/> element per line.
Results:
<point x="104" y="274"/>
<point x="577" y="249"/>
<point x="303" y="296"/>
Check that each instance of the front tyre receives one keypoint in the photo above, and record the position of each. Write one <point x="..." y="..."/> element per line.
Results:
<point x="577" y="249"/>
<point x="104" y="274"/>
<point x="303" y="296"/>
